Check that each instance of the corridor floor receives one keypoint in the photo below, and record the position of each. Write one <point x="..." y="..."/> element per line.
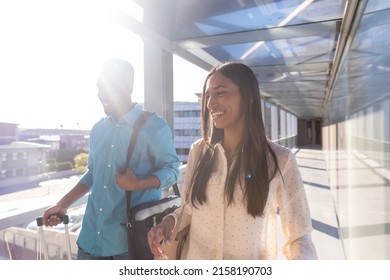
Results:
<point x="316" y="182"/>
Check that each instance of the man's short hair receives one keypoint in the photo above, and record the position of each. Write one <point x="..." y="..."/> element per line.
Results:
<point x="118" y="73"/>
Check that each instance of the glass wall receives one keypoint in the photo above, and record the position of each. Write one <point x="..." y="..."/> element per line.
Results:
<point x="356" y="138"/>
<point x="280" y="125"/>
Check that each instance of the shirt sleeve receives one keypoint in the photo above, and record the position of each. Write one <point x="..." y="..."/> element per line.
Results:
<point x="86" y="179"/>
<point x="294" y="212"/>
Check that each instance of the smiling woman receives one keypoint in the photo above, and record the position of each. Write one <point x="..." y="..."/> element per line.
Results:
<point x="50" y="55"/>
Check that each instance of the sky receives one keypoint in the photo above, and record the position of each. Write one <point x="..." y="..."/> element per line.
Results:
<point x="50" y="55"/>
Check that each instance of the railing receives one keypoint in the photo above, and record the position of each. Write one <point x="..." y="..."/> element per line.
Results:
<point x="22" y="243"/>
<point x="25" y="244"/>
<point x="289" y="142"/>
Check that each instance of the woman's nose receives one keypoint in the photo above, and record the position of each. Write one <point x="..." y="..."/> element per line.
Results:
<point x="211" y="102"/>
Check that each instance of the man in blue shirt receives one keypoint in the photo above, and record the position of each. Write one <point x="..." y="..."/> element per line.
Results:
<point x="153" y="166"/>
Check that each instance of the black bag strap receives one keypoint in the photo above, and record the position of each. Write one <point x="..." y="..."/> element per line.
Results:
<point x="176" y="189"/>
<point x="137" y="128"/>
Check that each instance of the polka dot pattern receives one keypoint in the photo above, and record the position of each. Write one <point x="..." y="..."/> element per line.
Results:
<point x="222" y="232"/>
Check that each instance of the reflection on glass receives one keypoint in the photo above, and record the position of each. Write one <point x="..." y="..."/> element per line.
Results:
<point x="357" y="140"/>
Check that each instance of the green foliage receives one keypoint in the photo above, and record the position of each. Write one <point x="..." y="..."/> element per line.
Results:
<point x="64" y="155"/>
<point x="60" y="166"/>
<point x="67" y="165"/>
<point x="67" y="159"/>
<point x="81" y="162"/>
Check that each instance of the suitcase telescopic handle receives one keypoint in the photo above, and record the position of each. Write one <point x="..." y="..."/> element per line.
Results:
<point x="63" y="217"/>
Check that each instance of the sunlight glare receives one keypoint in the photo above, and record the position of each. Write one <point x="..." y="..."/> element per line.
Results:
<point x="50" y="57"/>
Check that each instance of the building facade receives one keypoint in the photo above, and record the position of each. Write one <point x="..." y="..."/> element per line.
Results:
<point x="187" y="127"/>
<point x="26" y="152"/>
<point x="22" y="159"/>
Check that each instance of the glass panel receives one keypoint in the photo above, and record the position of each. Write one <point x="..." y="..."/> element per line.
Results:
<point x="377" y="5"/>
<point x="233" y="16"/>
<point x="291" y="51"/>
<point x="357" y="139"/>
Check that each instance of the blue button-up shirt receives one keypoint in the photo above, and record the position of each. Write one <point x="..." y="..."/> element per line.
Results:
<point x="103" y="233"/>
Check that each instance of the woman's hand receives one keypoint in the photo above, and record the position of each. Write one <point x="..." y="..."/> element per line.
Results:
<point x="161" y="233"/>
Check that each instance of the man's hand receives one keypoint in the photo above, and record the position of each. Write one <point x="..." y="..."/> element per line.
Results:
<point x="50" y="217"/>
<point x="127" y="181"/>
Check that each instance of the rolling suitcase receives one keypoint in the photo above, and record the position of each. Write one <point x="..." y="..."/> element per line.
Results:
<point x="41" y="237"/>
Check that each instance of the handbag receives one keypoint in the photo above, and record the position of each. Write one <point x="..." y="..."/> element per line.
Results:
<point x="141" y="218"/>
<point x="174" y="250"/>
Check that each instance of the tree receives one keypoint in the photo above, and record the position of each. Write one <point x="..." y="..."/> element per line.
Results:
<point x="81" y="162"/>
<point x="66" y="154"/>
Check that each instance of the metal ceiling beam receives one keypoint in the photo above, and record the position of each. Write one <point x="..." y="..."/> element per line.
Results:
<point x="288" y="96"/>
<point x="370" y="60"/>
<point x="299" y="93"/>
<point x="375" y="19"/>
<point x="298" y="84"/>
<point x="276" y="33"/>
<point x="198" y="57"/>
<point x="319" y="66"/>
<point x="300" y="101"/>
<point x="191" y="57"/>
<point x="205" y="56"/>
<point x="140" y="29"/>
<point x="351" y="19"/>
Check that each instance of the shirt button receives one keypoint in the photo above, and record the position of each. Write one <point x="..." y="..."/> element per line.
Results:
<point x="105" y="187"/>
<point x="101" y="209"/>
<point x="109" y="165"/>
<point x="98" y="232"/>
<point x="112" y="146"/>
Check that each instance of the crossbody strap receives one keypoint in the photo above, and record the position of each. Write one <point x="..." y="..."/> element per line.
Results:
<point x="137" y="128"/>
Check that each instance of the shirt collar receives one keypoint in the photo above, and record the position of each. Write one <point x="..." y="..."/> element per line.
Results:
<point x="130" y="117"/>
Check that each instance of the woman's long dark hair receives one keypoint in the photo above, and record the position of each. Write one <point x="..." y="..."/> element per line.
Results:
<point x="255" y="158"/>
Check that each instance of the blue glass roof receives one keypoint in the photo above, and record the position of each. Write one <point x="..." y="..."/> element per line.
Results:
<point x="297" y="48"/>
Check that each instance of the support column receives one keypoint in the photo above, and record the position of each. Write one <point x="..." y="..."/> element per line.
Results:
<point x="158" y="79"/>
